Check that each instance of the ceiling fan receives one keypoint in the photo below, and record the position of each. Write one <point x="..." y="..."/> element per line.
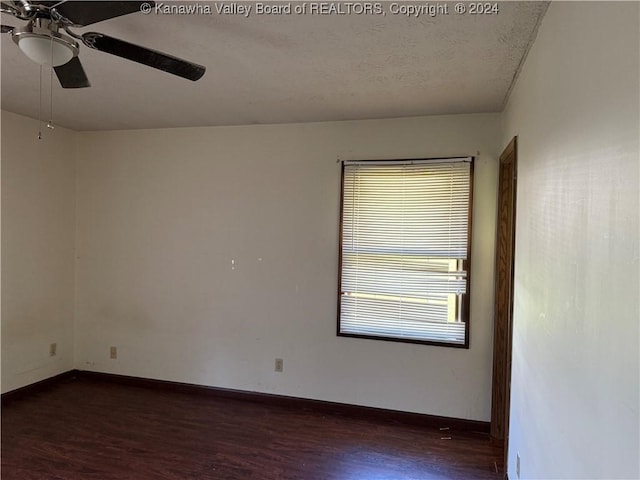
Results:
<point x="42" y="41"/>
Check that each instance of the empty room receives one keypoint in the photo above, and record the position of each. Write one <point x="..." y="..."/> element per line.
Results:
<point x="320" y="240"/>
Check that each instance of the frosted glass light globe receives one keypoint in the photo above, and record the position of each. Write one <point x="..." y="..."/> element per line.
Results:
<point x="39" y="49"/>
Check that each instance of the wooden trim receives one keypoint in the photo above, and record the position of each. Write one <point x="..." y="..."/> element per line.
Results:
<point x="509" y="149"/>
<point x="340" y="234"/>
<point x="336" y="408"/>
<point x="503" y="302"/>
<point x="333" y="408"/>
<point x="36" y="387"/>
<point x="466" y="301"/>
<point x="464" y="346"/>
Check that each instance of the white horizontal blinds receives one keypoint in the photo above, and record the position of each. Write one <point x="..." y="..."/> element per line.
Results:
<point x="404" y="232"/>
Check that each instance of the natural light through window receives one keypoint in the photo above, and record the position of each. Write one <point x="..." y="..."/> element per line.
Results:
<point x="405" y="250"/>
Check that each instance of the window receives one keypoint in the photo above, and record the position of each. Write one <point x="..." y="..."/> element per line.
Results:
<point x="405" y="250"/>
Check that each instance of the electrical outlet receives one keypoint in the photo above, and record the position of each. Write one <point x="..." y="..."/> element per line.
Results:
<point x="53" y="349"/>
<point x="279" y="365"/>
<point x="113" y="352"/>
<point x="518" y="464"/>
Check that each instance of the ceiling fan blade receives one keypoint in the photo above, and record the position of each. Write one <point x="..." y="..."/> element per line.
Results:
<point x="146" y="56"/>
<point x="71" y="74"/>
<point x="6" y="28"/>
<point x="8" y="8"/>
<point x="83" y="13"/>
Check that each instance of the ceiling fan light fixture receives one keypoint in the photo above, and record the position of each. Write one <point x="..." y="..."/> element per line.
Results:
<point x="41" y="41"/>
<point x="39" y="50"/>
<point x="37" y="45"/>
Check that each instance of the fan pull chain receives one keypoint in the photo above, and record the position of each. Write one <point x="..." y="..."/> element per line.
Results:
<point x="40" y="106"/>
<point x="50" y="123"/>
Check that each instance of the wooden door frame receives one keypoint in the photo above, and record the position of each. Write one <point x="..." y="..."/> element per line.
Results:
<point x="503" y="304"/>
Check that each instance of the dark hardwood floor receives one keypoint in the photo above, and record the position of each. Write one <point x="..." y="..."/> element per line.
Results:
<point x="91" y="429"/>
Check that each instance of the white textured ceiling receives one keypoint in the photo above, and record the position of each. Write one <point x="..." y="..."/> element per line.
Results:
<point x="289" y="68"/>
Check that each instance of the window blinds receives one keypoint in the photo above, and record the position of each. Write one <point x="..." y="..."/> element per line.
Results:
<point x="405" y="230"/>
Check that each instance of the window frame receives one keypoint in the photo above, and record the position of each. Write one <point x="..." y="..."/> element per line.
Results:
<point x="465" y="312"/>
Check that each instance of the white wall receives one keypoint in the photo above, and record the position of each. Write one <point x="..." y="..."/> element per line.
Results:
<point x="574" y="410"/>
<point x="162" y="214"/>
<point x="38" y="226"/>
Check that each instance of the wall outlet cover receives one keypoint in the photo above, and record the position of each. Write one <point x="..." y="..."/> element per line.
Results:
<point x="279" y="365"/>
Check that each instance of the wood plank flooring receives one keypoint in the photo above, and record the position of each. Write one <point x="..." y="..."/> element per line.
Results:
<point x="83" y="429"/>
